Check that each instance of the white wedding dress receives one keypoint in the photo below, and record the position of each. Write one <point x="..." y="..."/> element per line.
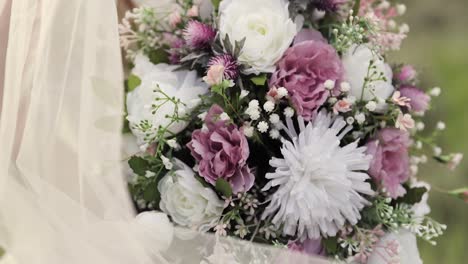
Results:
<point x="63" y="196"/>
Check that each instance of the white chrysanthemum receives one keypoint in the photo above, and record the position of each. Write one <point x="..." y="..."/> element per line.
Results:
<point x="184" y="86"/>
<point x="319" y="182"/>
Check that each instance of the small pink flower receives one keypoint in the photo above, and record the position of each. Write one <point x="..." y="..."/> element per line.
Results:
<point x="215" y="75"/>
<point x="400" y="100"/>
<point x="193" y="11"/>
<point x="465" y="196"/>
<point x="406" y="74"/>
<point x="175" y="19"/>
<point x="419" y="100"/>
<point x="342" y="106"/>
<point x="231" y="66"/>
<point x="404" y="122"/>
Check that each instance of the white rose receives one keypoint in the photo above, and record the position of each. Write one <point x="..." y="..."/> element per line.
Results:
<point x="156" y="229"/>
<point x="408" y="252"/>
<point x="356" y="62"/>
<point x="265" y="24"/>
<point x="183" y="85"/>
<point x="187" y="201"/>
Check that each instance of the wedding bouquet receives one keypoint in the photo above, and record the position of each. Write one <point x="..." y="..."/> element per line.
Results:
<point x="281" y="122"/>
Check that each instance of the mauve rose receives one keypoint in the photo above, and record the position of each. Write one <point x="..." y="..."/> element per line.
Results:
<point x="390" y="163"/>
<point x="303" y="71"/>
<point x="222" y="151"/>
<point x="311" y="247"/>
<point x="419" y="99"/>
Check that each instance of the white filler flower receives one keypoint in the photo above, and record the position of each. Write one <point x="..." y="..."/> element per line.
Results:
<point x="358" y="62"/>
<point x="187" y="201"/>
<point x="266" y="27"/>
<point x="181" y="85"/>
<point x="319" y="182"/>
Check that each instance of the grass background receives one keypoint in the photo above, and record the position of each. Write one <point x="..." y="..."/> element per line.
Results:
<point x="438" y="46"/>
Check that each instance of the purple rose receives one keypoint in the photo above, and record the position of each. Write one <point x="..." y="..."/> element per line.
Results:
<point x="222" y="151"/>
<point x="304" y="69"/>
<point x="310" y="247"/>
<point x="419" y="99"/>
<point x="390" y="163"/>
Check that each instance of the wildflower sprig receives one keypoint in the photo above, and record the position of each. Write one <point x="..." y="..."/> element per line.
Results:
<point x="355" y="30"/>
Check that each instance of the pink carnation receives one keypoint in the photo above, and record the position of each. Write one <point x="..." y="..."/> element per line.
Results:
<point x="419" y="100"/>
<point x="390" y="163"/>
<point x="303" y="71"/>
<point x="222" y="151"/>
<point x="406" y="74"/>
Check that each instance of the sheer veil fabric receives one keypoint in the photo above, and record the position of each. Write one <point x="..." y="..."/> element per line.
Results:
<point x="63" y="196"/>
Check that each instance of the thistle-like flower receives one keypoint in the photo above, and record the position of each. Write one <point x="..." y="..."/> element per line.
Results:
<point x="319" y="182"/>
<point x="231" y="66"/>
<point x="198" y="35"/>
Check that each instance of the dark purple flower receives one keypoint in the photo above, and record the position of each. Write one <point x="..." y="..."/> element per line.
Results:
<point x="303" y="70"/>
<point x="198" y="35"/>
<point x="222" y="151"/>
<point x="390" y="162"/>
<point x="328" y="5"/>
<point x="419" y="99"/>
<point x="175" y="51"/>
<point x="231" y="67"/>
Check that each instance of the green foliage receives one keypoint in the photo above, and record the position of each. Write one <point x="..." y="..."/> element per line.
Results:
<point x="216" y="4"/>
<point x="139" y="165"/>
<point x="259" y="80"/>
<point x="157" y="56"/>
<point x="413" y="195"/>
<point x="133" y="82"/>
<point x="223" y="187"/>
<point x="331" y="245"/>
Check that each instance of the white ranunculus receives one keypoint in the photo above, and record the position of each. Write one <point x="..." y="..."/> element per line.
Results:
<point x="265" y="24"/>
<point x="187" y="201"/>
<point x="356" y="62"/>
<point x="183" y="85"/>
<point x="408" y="252"/>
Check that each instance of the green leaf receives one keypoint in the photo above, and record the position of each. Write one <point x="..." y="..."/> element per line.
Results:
<point x="413" y="195"/>
<point x="330" y="244"/>
<point x="259" y="80"/>
<point x="216" y="4"/>
<point x="159" y="56"/>
<point x="139" y="165"/>
<point x="223" y="187"/>
<point x="133" y="82"/>
<point x="151" y="193"/>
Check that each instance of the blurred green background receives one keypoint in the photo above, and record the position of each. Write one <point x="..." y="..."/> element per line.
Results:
<point x="438" y="46"/>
